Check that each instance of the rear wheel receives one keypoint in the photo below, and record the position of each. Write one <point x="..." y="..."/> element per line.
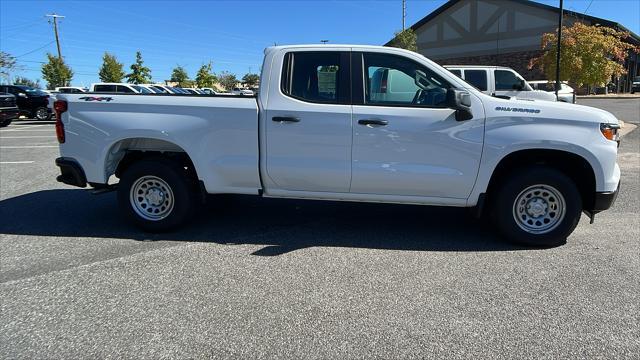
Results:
<point x="156" y="195"/>
<point x="538" y="206"/>
<point x="5" y="123"/>
<point x="42" y="114"/>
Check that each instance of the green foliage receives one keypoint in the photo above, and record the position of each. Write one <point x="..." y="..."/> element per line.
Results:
<point x="588" y="54"/>
<point x="28" y="82"/>
<point x="140" y="74"/>
<point x="111" y="70"/>
<point x="251" y="80"/>
<point x="7" y="63"/>
<point x="179" y="75"/>
<point x="406" y="39"/>
<point x="56" y="73"/>
<point x="227" y="80"/>
<point x="204" y="77"/>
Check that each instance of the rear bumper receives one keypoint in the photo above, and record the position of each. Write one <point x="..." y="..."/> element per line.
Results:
<point x="9" y="113"/>
<point x="71" y="172"/>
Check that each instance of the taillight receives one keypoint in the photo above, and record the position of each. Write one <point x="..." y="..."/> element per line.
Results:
<point x="610" y="131"/>
<point x="60" y="106"/>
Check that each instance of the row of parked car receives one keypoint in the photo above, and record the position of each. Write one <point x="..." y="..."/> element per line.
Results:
<point x="22" y="100"/>
<point x="124" y="88"/>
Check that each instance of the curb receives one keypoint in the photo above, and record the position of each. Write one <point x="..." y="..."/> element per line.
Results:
<point x="607" y="97"/>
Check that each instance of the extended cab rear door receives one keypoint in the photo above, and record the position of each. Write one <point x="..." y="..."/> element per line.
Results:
<point x="308" y="121"/>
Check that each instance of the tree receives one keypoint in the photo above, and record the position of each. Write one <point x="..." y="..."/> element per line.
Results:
<point x="227" y="80"/>
<point x="56" y="73"/>
<point x="179" y="75"/>
<point x="7" y="64"/>
<point x="111" y="70"/>
<point x="204" y="77"/>
<point x="251" y="80"/>
<point x="406" y="39"/>
<point x="588" y="54"/>
<point x="28" y="82"/>
<point x="140" y="74"/>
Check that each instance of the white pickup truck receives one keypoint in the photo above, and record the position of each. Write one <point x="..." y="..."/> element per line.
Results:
<point x="325" y="125"/>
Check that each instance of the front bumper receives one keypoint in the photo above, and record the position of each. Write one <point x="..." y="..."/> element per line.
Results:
<point x="603" y="201"/>
<point x="71" y="172"/>
<point x="9" y="113"/>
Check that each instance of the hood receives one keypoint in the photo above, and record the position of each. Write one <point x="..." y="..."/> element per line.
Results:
<point x="549" y="110"/>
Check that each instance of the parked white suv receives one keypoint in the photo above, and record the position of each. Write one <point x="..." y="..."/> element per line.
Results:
<point x="121" y="88"/>
<point x="499" y="81"/>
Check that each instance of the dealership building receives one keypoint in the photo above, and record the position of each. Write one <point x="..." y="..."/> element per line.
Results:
<point x="502" y="33"/>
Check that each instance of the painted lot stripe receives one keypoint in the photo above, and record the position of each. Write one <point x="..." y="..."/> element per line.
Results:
<point x="28" y="147"/>
<point x="16" y="162"/>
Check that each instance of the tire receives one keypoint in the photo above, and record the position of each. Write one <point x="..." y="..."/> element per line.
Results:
<point x="164" y="195"/>
<point x="42" y="114"/>
<point x="538" y="206"/>
<point x="5" y="123"/>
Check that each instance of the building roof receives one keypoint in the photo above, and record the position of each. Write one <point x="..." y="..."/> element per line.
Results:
<point x="595" y="20"/>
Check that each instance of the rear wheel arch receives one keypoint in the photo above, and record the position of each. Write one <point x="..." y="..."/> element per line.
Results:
<point x="125" y="152"/>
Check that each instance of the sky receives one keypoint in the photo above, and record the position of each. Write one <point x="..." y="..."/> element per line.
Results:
<point x="230" y="34"/>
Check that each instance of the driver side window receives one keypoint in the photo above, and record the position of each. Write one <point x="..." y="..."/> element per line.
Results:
<point x="396" y="81"/>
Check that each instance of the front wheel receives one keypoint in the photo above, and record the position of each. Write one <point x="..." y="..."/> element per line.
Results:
<point x="5" y="123"/>
<point x="156" y="195"/>
<point x="42" y="114"/>
<point x="538" y="206"/>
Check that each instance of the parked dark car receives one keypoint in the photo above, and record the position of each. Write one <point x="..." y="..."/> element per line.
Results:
<point x="635" y="85"/>
<point x="32" y="103"/>
<point x="8" y="109"/>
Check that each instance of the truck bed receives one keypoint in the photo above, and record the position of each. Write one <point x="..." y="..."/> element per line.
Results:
<point x="219" y="132"/>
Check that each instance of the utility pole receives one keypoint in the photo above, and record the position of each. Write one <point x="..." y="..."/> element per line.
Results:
<point x="404" y="13"/>
<point x="558" y="48"/>
<point x="55" y="30"/>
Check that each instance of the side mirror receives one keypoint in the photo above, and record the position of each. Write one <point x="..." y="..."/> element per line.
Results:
<point x="460" y="101"/>
<point x="520" y="85"/>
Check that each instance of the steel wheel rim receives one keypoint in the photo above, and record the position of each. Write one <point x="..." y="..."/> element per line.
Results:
<point x="539" y="209"/>
<point x="151" y="198"/>
<point x="41" y="114"/>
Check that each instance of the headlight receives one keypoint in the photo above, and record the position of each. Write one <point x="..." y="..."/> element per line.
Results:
<point x="610" y="131"/>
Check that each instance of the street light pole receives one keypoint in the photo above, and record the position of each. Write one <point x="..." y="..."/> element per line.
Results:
<point x="558" y="48"/>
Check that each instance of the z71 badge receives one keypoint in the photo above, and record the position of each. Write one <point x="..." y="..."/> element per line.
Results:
<point x="522" y="110"/>
<point x="96" y="98"/>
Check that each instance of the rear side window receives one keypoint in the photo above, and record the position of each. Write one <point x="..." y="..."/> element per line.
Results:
<point x="457" y="73"/>
<point x="104" y="88"/>
<point x="124" y="89"/>
<point x="318" y="77"/>
<point x="477" y="78"/>
<point x="506" y="80"/>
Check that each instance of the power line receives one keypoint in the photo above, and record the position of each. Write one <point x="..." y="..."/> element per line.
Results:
<point x="588" y="6"/>
<point x="40" y="48"/>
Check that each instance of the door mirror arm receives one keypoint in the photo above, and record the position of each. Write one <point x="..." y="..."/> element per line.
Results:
<point x="460" y="101"/>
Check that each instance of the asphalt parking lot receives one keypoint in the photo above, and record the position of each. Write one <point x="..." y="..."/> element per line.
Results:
<point x="265" y="278"/>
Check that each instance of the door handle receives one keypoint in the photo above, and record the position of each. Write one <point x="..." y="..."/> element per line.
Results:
<point x="288" y="119"/>
<point x="373" y="122"/>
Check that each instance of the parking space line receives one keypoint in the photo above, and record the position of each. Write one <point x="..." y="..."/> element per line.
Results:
<point x="28" y="147"/>
<point x="16" y="162"/>
<point x="25" y="127"/>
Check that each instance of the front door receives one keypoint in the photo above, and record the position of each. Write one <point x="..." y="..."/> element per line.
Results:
<point x="308" y="123"/>
<point x="405" y="140"/>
